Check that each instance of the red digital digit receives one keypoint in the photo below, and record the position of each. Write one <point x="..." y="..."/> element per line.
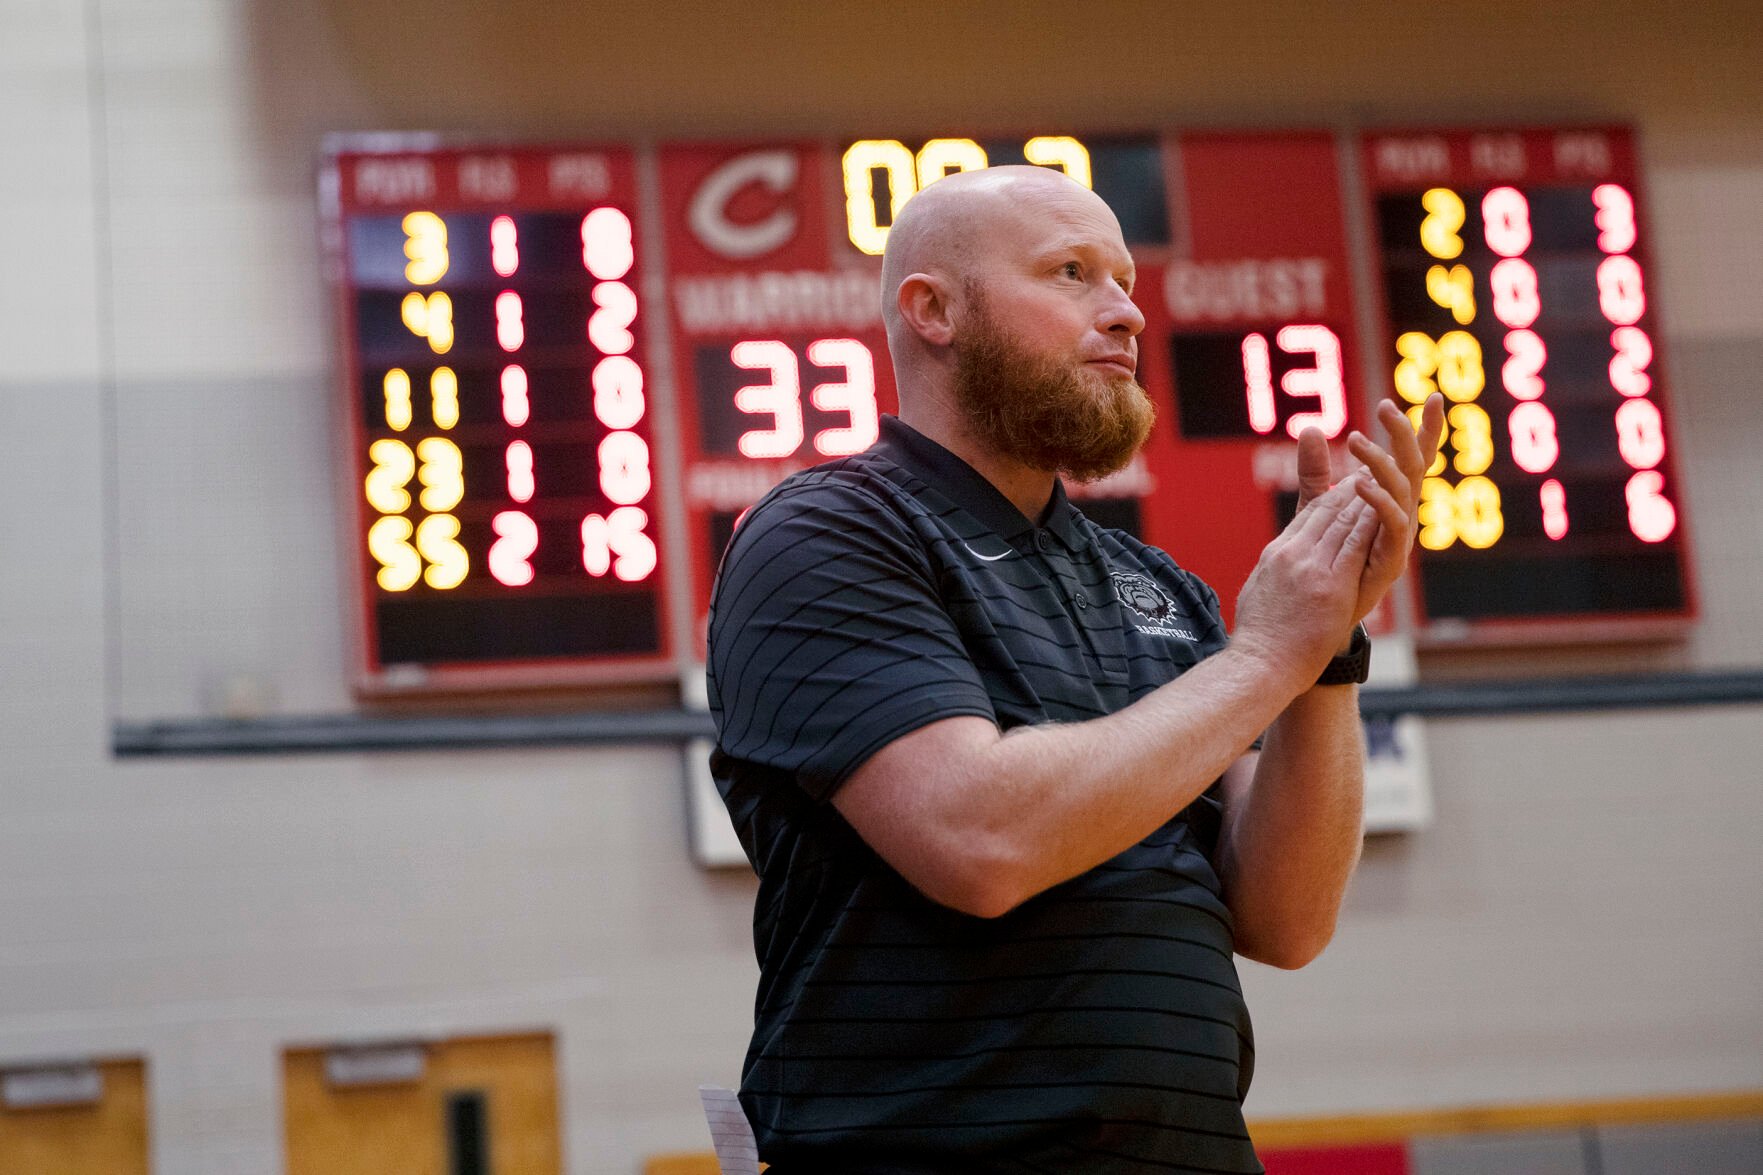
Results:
<point x="609" y="324"/>
<point x="504" y="246"/>
<point x="1258" y="383"/>
<point x="515" y="409"/>
<point x="1640" y="434"/>
<point x="1521" y="374"/>
<point x="607" y="249"/>
<point x="1615" y="218"/>
<point x="1621" y="295"/>
<point x="854" y="395"/>
<point x="518" y="458"/>
<point x="1505" y="216"/>
<point x="780" y="397"/>
<point x="1322" y="379"/>
<point x="618" y="392"/>
<point x="1516" y="300"/>
<point x="624" y="468"/>
<point x="1628" y="367"/>
<point x="517" y="537"/>
<point x="1651" y="516"/>
<point x="617" y="542"/>
<point x="1554" y="502"/>
<point x="1535" y="448"/>
<point x="510" y="325"/>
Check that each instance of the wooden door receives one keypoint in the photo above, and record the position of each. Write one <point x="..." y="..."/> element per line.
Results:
<point x="480" y="1107"/>
<point x="109" y="1135"/>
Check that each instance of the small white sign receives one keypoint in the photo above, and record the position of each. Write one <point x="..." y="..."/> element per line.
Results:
<point x="59" y="1085"/>
<point x="1398" y="774"/>
<point x="714" y="843"/>
<point x="391" y="1064"/>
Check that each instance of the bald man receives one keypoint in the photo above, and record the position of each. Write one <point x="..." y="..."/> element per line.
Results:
<point x="1013" y="797"/>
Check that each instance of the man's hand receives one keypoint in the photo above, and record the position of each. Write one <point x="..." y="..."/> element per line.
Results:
<point x="1392" y="489"/>
<point x="1298" y="603"/>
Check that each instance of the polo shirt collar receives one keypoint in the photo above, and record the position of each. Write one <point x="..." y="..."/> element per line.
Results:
<point x="968" y="488"/>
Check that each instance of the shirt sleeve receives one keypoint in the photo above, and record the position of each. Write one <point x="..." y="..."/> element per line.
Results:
<point x="828" y="638"/>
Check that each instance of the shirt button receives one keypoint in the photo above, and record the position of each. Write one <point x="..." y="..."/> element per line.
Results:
<point x="1042" y="541"/>
<point x="1083" y="602"/>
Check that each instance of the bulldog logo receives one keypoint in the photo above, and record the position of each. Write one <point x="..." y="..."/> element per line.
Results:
<point x="1142" y="595"/>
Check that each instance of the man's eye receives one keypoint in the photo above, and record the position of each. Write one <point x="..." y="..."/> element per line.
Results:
<point x="1072" y="270"/>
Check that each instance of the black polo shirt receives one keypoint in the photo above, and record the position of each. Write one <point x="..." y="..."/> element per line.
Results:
<point x="1098" y="1027"/>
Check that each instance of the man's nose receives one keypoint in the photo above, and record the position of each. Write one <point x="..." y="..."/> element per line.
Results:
<point x="1121" y="315"/>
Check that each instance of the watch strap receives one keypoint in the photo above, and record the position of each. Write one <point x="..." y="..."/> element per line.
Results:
<point x="1353" y="666"/>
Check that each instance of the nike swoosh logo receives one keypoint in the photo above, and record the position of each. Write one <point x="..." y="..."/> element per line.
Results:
<point x="988" y="558"/>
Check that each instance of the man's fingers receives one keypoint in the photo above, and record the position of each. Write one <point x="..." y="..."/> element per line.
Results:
<point x="1401" y="484"/>
<point x="1357" y="545"/>
<point x="1432" y="429"/>
<point x="1341" y="524"/>
<point x="1389" y="511"/>
<point x="1313" y="465"/>
<point x="1315" y="519"/>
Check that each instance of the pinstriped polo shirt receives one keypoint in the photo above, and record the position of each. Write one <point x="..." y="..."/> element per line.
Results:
<point x="1098" y="1027"/>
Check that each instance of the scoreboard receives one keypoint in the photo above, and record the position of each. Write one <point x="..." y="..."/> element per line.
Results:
<point x="568" y="371"/>
<point x="1514" y="281"/>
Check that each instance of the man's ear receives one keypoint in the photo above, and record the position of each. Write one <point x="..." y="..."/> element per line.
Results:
<point x="925" y="308"/>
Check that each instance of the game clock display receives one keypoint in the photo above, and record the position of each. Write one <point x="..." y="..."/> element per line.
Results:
<point x="570" y="371"/>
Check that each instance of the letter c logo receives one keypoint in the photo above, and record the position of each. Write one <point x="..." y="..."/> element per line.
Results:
<point x="708" y="212"/>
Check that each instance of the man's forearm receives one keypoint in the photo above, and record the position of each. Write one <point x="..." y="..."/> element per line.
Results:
<point x="1292" y="833"/>
<point x="1026" y="811"/>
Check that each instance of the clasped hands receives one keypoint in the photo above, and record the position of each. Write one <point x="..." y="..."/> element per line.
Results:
<point x="1346" y="546"/>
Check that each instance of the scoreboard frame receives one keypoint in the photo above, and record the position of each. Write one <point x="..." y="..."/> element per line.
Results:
<point x="665" y="206"/>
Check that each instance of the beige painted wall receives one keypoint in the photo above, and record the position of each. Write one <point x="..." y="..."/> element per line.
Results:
<point x="1580" y="922"/>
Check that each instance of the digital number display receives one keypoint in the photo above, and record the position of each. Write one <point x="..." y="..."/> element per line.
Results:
<point x="504" y="456"/>
<point x="515" y="456"/>
<point x="1515" y="283"/>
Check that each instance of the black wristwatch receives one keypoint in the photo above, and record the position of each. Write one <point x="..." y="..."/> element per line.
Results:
<point x="1353" y="666"/>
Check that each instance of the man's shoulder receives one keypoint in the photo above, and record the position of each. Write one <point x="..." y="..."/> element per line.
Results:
<point x="865" y="489"/>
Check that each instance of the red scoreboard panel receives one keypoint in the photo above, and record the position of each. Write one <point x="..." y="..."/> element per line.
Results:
<point x="779" y="357"/>
<point x="773" y="264"/>
<point x="500" y="427"/>
<point x="1515" y="268"/>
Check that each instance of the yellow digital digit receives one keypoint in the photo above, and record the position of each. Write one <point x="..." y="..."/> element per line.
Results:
<point x="442" y="474"/>
<point x="1479" y="521"/>
<point x="1061" y="151"/>
<point x="939" y="157"/>
<point x="1454" y="289"/>
<point x="388" y="541"/>
<point x="1437" y="514"/>
<point x="425" y="244"/>
<point x="1420" y="359"/>
<point x="397" y="385"/>
<point x="437" y="539"/>
<point x="443" y="397"/>
<point x="1444" y="216"/>
<point x="1460" y="373"/>
<point x="430" y="317"/>
<point x="1438" y="462"/>
<point x="862" y="160"/>
<point x="1472" y="436"/>
<point x="393" y="467"/>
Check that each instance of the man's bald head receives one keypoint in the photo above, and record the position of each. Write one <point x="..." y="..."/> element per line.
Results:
<point x="957" y="227"/>
<point x="1006" y="294"/>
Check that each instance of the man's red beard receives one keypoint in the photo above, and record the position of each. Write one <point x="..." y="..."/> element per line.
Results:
<point x="1047" y="415"/>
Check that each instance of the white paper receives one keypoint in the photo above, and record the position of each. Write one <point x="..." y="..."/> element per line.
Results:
<point x="736" y="1152"/>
